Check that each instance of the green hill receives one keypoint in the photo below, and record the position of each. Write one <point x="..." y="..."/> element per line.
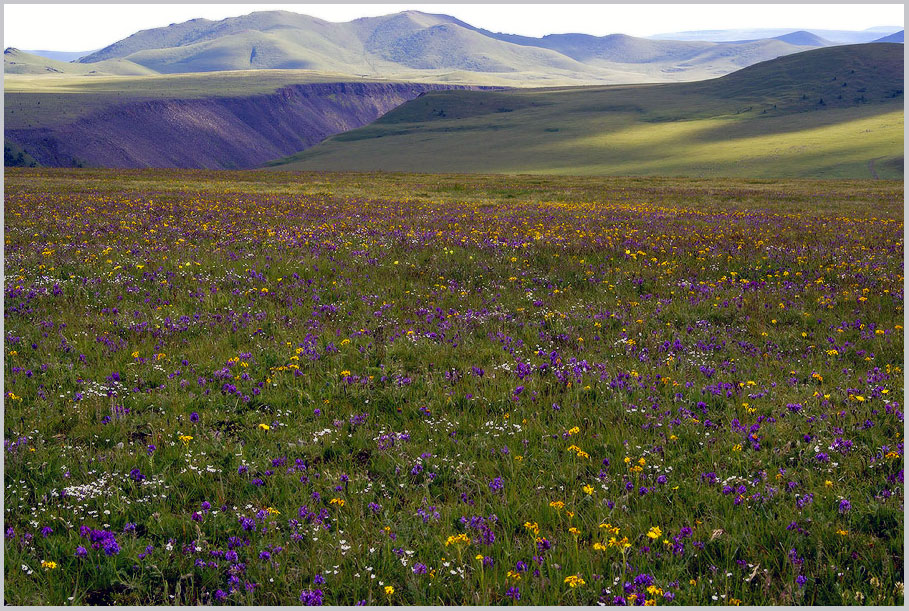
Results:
<point x="832" y="112"/>
<point x="412" y="45"/>
<point x="20" y="62"/>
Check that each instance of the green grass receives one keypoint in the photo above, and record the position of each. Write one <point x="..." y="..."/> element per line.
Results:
<point x="713" y="332"/>
<point x="764" y="121"/>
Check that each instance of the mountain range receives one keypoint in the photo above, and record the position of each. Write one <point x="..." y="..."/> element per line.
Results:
<point x="842" y="37"/>
<point x="413" y="45"/>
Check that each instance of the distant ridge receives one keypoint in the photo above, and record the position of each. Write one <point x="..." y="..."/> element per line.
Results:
<point x="895" y="37"/>
<point x="60" y="56"/>
<point x="835" y="36"/>
<point x="805" y="39"/>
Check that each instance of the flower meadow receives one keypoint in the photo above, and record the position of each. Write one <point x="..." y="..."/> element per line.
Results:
<point x="352" y="389"/>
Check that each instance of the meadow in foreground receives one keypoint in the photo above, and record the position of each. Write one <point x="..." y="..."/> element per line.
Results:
<point x="342" y="389"/>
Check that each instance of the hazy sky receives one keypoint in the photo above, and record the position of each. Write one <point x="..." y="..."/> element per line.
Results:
<point x="84" y="27"/>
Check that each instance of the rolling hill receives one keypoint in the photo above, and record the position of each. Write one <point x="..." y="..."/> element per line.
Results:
<point x="21" y="62"/>
<point x="414" y="45"/>
<point x="831" y="112"/>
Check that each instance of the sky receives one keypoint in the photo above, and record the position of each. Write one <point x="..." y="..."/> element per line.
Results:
<point x="86" y="27"/>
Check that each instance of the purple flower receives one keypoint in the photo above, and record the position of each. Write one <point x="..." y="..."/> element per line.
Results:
<point x="496" y="484"/>
<point x="194" y="417"/>
<point x="47" y="530"/>
<point x="801" y="580"/>
<point x="111" y="548"/>
<point x="311" y="598"/>
<point x="845" y="506"/>
<point x="513" y="593"/>
<point x="81" y="552"/>
<point x="318" y="580"/>
<point x="419" y="568"/>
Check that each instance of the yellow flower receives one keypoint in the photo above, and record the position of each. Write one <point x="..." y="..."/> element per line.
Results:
<point x="389" y="590"/>
<point x="574" y="531"/>
<point x="574" y="581"/>
<point x="599" y="546"/>
<point x="345" y="373"/>
<point x="588" y="489"/>
<point x="557" y="504"/>
<point x="574" y="430"/>
<point x="264" y="427"/>
<point x="272" y="511"/>
<point x="842" y="532"/>
<point x="654" y="532"/>
<point x="532" y="526"/>
<point x="828" y="483"/>
<point x="338" y="502"/>
<point x="186" y="439"/>
<point x="457" y="539"/>
<point x="479" y="557"/>
<point x="49" y="564"/>
<point x="514" y="575"/>
<point x="610" y="528"/>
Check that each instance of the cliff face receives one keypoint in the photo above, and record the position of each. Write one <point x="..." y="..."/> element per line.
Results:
<point x="214" y="133"/>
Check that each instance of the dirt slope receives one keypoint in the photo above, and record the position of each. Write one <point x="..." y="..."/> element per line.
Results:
<point x="214" y="133"/>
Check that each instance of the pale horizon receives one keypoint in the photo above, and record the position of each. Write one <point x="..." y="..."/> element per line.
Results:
<point x="76" y="28"/>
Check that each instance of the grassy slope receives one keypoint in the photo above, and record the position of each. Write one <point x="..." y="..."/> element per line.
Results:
<point x="763" y="121"/>
<point x="21" y="62"/>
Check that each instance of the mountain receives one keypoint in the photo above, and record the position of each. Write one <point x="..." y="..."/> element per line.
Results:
<point x="835" y="36"/>
<point x="415" y="45"/>
<point x="60" y="56"/>
<point x="895" y="37"/>
<point x="21" y="62"/>
<point x="830" y="112"/>
<point x="805" y="39"/>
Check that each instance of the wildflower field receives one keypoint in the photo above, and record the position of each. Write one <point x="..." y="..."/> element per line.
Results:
<point x="263" y="388"/>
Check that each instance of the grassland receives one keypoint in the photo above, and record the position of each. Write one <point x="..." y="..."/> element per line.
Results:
<point x="831" y="113"/>
<point x="272" y="388"/>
